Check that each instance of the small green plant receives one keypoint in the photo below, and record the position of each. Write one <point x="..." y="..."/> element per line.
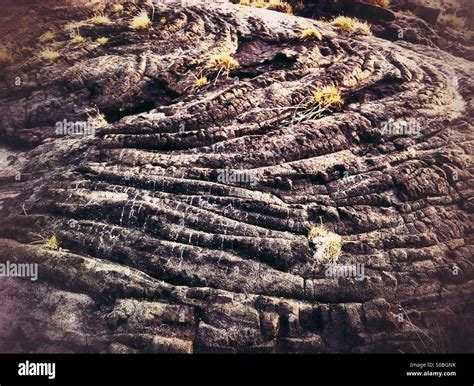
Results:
<point x="47" y="36"/>
<point x="352" y="25"/>
<point x="327" y="244"/>
<point x="141" y="22"/>
<point x="325" y="99"/>
<point x="311" y="33"/>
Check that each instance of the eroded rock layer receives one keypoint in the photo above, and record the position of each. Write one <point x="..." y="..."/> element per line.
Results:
<point x="157" y="253"/>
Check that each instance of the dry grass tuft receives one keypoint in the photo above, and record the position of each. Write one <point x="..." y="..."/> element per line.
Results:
<point x="352" y="25"/>
<point x="274" y="5"/>
<point x="50" y="55"/>
<point x="328" y="97"/>
<point x="73" y="26"/>
<point x="78" y="39"/>
<point x="53" y="243"/>
<point x="202" y="81"/>
<point x="101" y="41"/>
<point x="100" y="19"/>
<point x="47" y="36"/>
<point x="222" y="63"/>
<point x="6" y="56"/>
<point x="141" y="22"/>
<point x="118" y="8"/>
<point x="311" y="33"/>
<point x="328" y="244"/>
<point x="380" y="3"/>
<point x="451" y="21"/>
<point x="96" y="118"/>
<point x="325" y="99"/>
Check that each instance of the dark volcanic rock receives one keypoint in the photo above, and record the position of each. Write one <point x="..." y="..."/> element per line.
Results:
<point x="158" y="253"/>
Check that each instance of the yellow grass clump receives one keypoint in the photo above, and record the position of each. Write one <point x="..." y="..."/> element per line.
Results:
<point x="202" y="81"/>
<point x="328" y="244"/>
<point x="325" y="99"/>
<point x="274" y="5"/>
<point x="6" y="55"/>
<point x="380" y="3"/>
<point x="140" y="22"/>
<point x="222" y="63"/>
<point x="328" y="97"/>
<point x="101" y="41"/>
<point x="118" y="8"/>
<point x="50" y="54"/>
<point x="72" y="26"/>
<point x="311" y="33"/>
<point x="78" y="39"/>
<point x="451" y="21"/>
<point x="47" y="36"/>
<point x="352" y="25"/>
<point x="100" y="19"/>
<point x="95" y="117"/>
<point x="53" y="243"/>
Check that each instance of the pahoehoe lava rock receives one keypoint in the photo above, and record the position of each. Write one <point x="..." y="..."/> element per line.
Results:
<point x="157" y="254"/>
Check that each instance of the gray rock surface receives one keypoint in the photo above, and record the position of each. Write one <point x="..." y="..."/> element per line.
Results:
<point x="157" y="255"/>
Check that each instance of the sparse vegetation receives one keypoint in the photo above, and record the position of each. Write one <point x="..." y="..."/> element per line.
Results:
<point x="324" y="99"/>
<point x="220" y="64"/>
<point x="100" y="19"/>
<point x="78" y="39"/>
<point x="101" y="41"/>
<point x="6" y="55"/>
<point x="451" y="21"/>
<point x="328" y="244"/>
<point x="280" y="6"/>
<point x="311" y="33"/>
<point x="202" y="81"/>
<point x="352" y="25"/>
<point x="118" y="8"/>
<point x="50" y="54"/>
<point x="53" y="243"/>
<point x="141" y="22"/>
<point x="47" y="36"/>
<point x="96" y="118"/>
<point x="274" y="5"/>
<point x="72" y="26"/>
<point x="380" y="3"/>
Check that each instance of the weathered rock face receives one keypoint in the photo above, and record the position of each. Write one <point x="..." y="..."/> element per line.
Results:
<point x="161" y="251"/>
